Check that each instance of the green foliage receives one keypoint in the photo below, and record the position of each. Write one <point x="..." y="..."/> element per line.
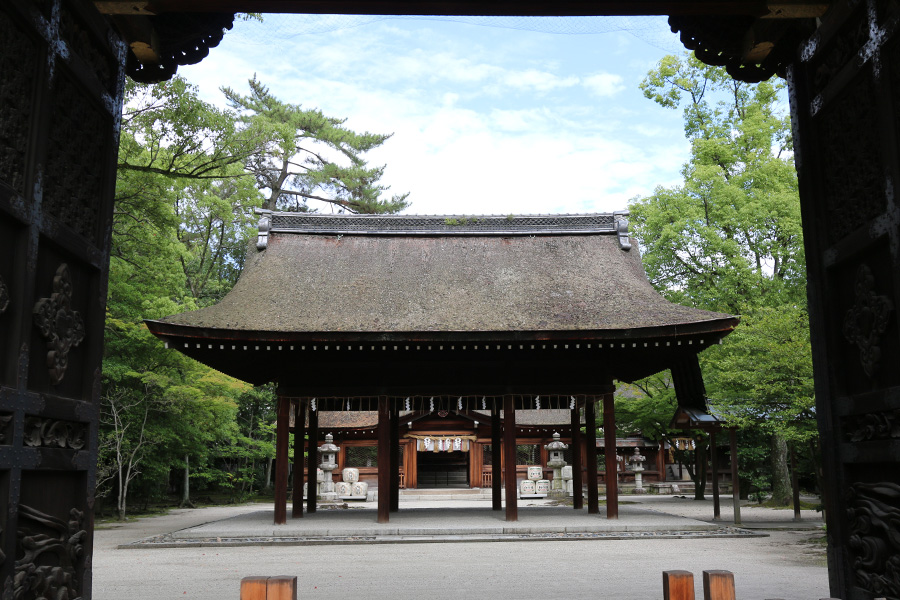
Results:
<point x="189" y="178"/>
<point x="730" y="239"/>
<point x="763" y="377"/>
<point x="647" y="407"/>
<point x="309" y="156"/>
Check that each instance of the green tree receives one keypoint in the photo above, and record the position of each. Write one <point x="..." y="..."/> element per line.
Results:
<point x="188" y="182"/>
<point x="764" y="380"/>
<point x="647" y="408"/>
<point x="309" y="156"/>
<point x="730" y="239"/>
<point x="184" y="202"/>
<point x="183" y="209"/>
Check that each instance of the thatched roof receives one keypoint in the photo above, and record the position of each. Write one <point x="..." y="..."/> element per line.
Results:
<point x="378" y="274"/>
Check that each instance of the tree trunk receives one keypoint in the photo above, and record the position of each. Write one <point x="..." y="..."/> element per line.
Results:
<point x="700" y="472"/>
<point x="120" y="500"/>
<point x="781" y="475"/>
<point x="269" y="473"/>
<point x="186" y="488"/>
<point x="123" y="497"/>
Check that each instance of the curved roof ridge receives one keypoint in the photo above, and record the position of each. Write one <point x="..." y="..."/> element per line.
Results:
<point x="441" y="225"/>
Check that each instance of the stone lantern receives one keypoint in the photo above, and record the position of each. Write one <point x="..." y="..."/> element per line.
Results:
<point x="556" y="462"/>
<point x="328" y="453"/>
<point x="637" y="466"/>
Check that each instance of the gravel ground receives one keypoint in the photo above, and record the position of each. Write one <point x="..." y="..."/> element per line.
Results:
<point x="788" y="564"/>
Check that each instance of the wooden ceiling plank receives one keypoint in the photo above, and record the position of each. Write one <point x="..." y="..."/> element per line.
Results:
<point x="450" y="7"/>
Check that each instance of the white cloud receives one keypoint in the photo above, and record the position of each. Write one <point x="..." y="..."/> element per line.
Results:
<point x="603" y="84"/>
<point x="533" y="79"/>
<point x="473" y="132"/>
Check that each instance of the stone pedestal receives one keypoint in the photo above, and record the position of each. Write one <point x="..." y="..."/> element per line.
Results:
<point x="637" y="462"/>
<point x="328" y="451"/>
<point x="557" y="463"/>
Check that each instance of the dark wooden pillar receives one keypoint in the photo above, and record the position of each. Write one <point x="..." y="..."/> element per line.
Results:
<point x="714" y="459"/>
<point x="590" y="446"/>
<point x="735" y="480"/>
<point x="384" y="461"/>
<point x="299" y="435"/>
<point x="282" y="434"/>
<point x="577" y="479"/>
<point x="612" y="465"/>
<point x="312" y="458"/>
<point x="496" y="457"/>
<point x="509" y="458"/>
<point x="395" y="456"/>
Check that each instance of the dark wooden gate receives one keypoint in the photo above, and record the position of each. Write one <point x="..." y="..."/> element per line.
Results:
<point x="845" y="94"/>
<point x="60" y="97"/>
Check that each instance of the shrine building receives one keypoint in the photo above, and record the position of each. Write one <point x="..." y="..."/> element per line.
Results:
<point x="447" y="313"/>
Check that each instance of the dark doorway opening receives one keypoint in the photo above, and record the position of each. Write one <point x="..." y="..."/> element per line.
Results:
<point x="443" y="470"/>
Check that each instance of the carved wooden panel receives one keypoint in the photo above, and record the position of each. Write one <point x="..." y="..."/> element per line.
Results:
<point x="72" y="181"/>
<point x="52" y="538"/>
<point x="11" y="243"/>
<point x="854" y="184"/>
<point x="19" y="60"/>
<point x="88" y="43"/>
<point x="845" y="96"/>
<point x="863" y="307"/>
<point x="61" y="88"/>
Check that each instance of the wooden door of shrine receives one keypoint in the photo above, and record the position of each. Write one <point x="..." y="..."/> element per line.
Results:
<point x="845" y="97"/>
<point x="61" y="84"/>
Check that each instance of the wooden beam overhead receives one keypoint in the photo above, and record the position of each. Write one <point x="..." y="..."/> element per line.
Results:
<point x="757" y="8"/>
<point x="798" y="9"/>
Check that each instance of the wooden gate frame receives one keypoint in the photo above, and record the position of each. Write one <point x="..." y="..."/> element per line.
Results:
<point x="62" y="66"/>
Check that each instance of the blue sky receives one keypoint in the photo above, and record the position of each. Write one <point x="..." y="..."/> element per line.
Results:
<point x="486" y="119"/>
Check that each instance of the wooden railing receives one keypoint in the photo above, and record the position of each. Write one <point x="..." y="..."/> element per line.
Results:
<point x="402" y="480"/>
<point x="487" y="479"/>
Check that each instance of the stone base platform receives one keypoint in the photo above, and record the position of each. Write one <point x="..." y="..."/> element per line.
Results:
<point x="437" y="524"/>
